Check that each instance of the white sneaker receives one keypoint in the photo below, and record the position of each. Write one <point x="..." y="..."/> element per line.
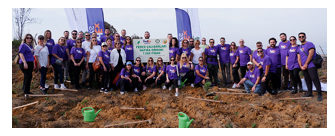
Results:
<point x="234" y="86"/>
<point x="56" y="86"/>
<point x="135" y="90"/>
<point x="192" y="85"/>
<point x="62" y="86"/>
<point x="144" y="88"/>
<point x="102" y="90"/>
<point x="170" y="88"/>
<point x="121" y="92"/>
<point x="106" y="91"/>
<point x="164" y="87"/>
<point x="176" y="94"/>
<point x="46" y="86"/>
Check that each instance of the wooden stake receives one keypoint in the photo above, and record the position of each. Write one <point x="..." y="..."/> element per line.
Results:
<point x="149" y="121"/>
<point x="24" y="105"/>
<point x="126" y="108"/>
<point x="74" y="90"/>
<point x="42" y="95"/>
<point x="298" y="98"/>
<point x="232" y="93"/>
<point x="203" y="99"/>
<point x="233" y="90"/>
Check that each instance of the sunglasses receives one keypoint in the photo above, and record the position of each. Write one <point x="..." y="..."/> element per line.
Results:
<point x="62" y="40"/>
<point x="29" y="38"/>
<point x="191" y="41"/>
<point x="259" y="51"/>
<point x="138" y="60"/>
<point x="184" y="42"/>
<point x="183" y="57"/>
<point x="211" y="42"/>
<point x="117" y="36"/>
<point x="94" y="40"/>
<point x="78" y="42"/>
<point x="301" y="36"/>
<point x="150" y="60"/>
<point x="74" y="34"/>
<point x="117" y="43"/>
<point x="222" y="40"/>
<point x="87" y="35"/>
<point x="259" y="45"/>
<point x="172" y="60"/>
<point x="201" y="60"/>
<point x="292" y="39"/>
<point x="160" y="60"/>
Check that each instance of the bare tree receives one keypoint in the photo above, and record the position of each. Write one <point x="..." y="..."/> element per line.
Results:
<point x="21" y="19"/>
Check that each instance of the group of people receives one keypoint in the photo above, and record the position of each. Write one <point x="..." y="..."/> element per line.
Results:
<point x="191" y="62"/>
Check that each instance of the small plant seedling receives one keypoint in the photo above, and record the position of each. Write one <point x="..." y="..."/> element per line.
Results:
<point x="253" y="125"/>
<point x="307" y="125"/>
<point x="236" y="113"/>
<point x="84" y="102"/>
<point x="138" y="117"/>
<point x="216" y="97"/>
<point x="146" y="103"/>
<point x="293" y="100"/>
<point x="229" y="125"/>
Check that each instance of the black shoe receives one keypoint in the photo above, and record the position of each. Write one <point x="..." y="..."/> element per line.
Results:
<point x="285" y="88"/>
<point x="29" y="93"/>
<point x="320" y="98"/>
<point x="83" y="84"/>
<point x="289" y="89"/>
<point x="275" y="92"/>
<point x="300" y="89"/>
<point x="307" y="95"/>
<point x="294" y="92"/>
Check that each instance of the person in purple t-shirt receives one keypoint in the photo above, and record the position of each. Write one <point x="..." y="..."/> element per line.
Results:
<point x="123" y="37"/>
<point x="58" y="52"/>
<point x="245" y="57"/>
<point x="139" y="75"/>
<point x="172" y="76"/>
<point x="26" y="62"/>
<point x="234" y="60"/>
<point x="109" y="44"/>
<point x="126" y="78"/>
<point x="251" y="79"/>
<point x="292" y="65"/>
<point x="150" y="72"/>
<point x="161" y="76"/>
<point x="306" y="53"/>
<point x="186" y="69"/>
<point x="255" y="56"/>
<point x="268" y="73"/>
<point x="129" y="49"/>
<point x="173" y="49"/>
<point x="274" y="53"/>
<point x="184" y="49"/>
<point x="284" y="46"/>
<point x="48" y="41"/>
<point x="201" y="74"/>
<point x="104" y="57"/>
<point x="212" y="62"/>
<point x="69" y="44"/>
<point x="77" y="58"/>
<point x="107" y="35"/>
<point x="224" y="52"/>
<point x="117" y="39"/>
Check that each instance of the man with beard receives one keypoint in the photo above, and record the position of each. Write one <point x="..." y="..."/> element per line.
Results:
<point x="285" y="45"/>
<point x="274" y="53"/>
<point x="146" y="35"/>
<point x="269" y="71"/>
<point x="191" y="44"/>
<point x="107" y="34"/>
<point x="255" y="56"/>
<point x="69" y="44"/>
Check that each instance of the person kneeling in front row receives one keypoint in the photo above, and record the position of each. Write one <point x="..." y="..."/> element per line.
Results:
<point x="126" y="78"/>
<point x="171" y="76"/>
<point x="251" y="79"/>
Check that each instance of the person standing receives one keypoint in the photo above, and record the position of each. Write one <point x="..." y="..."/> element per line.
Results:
<point x="212" y="62"/>
<point x="245" y="57"/>
<point x="255" y="56"/>
<point x="169" y="37"/>
<point x="66" y="35"/>
<point x="48" y="41"/>
<point x="274" y="53"/>
<point x="86" y="45"/>
<point x="91" y="57"/>
<point x="224" y="51"/>
<point x="26" y="62"/>
<point x="117" y="62"/>
<point x="184" y="49"/>
<point x="234" y="60"/>
<point x="104" y="57"/>
<point x="201" y="73"/>
<point x="269" y="73"/>
<point x="251" y="79"/>
<point x="76" y="63"/>
<point x="107" y="35"/>
<point x="191" y="45"/>
<point x="196" y="53"/>
<point x="58" y="54"/>
<point x="172" y="76"/>
<point x="173" y="49"/>
<point x="306" y="53"/>
<point x="203" y="43"/>
<point x="146" y="35"/>
<point x="292" y="65"/>
<point x="69" y="44"/>
<point x="43" y="62"/>
<point x="128" y="48"/>
<point x="123" y="36"/>
<point x="284" y="46"/>
<point x="117" y="39"/>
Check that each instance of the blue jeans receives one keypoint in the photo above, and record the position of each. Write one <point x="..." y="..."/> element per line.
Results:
<point x="43" y="72"/>
<point x="248" y="84"/>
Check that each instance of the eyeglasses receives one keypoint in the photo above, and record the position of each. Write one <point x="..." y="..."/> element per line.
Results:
<point x="292" y="39"/>
<point x="222" y="40"/>
<point x="183" y="57"/>
<point x="150" y="60"/>
<point x="29" y="38"/>
<point x="301" y="36"/>
<point x="259" y="51"/>
<point x="138" y="60"/>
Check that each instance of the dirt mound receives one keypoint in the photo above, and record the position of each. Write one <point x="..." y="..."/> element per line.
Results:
<point x="238" y="111"/>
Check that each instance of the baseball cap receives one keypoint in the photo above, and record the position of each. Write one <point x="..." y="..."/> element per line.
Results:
<point x="129" y="63"/>
<point x="250" y="63"/>
<point x="41" y="37"/>
<point x="103" y="44"/>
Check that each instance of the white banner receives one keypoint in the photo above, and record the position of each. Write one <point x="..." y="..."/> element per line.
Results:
<point x="145" y="48"/>
<point x="77" y="18"/>
<point x="194" y="19"/>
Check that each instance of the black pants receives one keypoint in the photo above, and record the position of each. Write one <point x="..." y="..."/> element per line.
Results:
<point x="213" y="72"/>
<point x="311" y="75"/>
<point x="137" y="84"/>
<point x="113" y="74"/>
<point x="28" y="75"/>
<point x="125" y="85"/>
<point x="278" y="78"/>
<point x="189" y="76"/>
<point x="58" y="73"/>
<point x="235" y="74"/>
<point x="105" y="76"/>
<point x="225" y="69"/>
<point x="77" y="70"/>
<point x="296" y="78"/>
<point x="43" y="71"/>
<point x="265" y="85"/>
<point x="243" y="71"/>
<point x="173" y="81"/>
<point x="92" y="75"/>
<point x="286" y="76"/>
<point x="161" y="79"/>
<point x="150" y="81"/>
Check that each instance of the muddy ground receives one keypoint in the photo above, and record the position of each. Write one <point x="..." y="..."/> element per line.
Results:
<point x="238" y="111"/>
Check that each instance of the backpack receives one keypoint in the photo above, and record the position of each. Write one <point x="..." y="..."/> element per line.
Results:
<point x="317" y="60"/>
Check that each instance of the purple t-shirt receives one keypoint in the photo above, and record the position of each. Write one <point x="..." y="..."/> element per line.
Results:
<point x="150" y="70"/>
<point x="78" y="53"/>
<point x="129" y="52"/>
<point x="292" y="61"/>
<point x="224" y="52"/>
<point x="122" y="39"/>
<point x="212" y="51"/>
<point x="172" y="72"/>
<point x="274" y="54"/>
<point x="161" y="69"/>
<point x="105" y="56"/>
<point x="50" y="43"/>
<point x="244" y="55"/>
<point x="184" y="68"/>
<point x="124" y="73"/>
<point x="256" y="57"/>
<point x="266" y="60"/>
<point x="104" y="38"/>
<point x="173" y="52"/>
<point x="202" y="71"/>
<point x="59" y="51"/>
<point x="305" y="48"/>
<point x="283" y="51"/>
<point x="137" y="70"/>
<point x="252" y="76"/>
<point x="182" y="50"/>
<point x="233" y="56"/>
<point x="70" y="43"/>
<point x="28" y="52"/>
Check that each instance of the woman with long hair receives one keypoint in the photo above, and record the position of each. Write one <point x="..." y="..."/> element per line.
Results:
<point x="58" y="54"/>
<point x="186" y="69"/>
<point x="104" y="56"/>
<point x="139" y="75"/>
<point x="117" y="62"/>
<point x="292" y="64"/>
<point x="171" y="76"/>
<point x="126" y="78"/>
<point x="128" y="48"/>
<point x="117" y="39"/>
<point x="150" y="72"/>
<point x="77" y="56"/>
<point x="42" y="58"/>
<point x="234" y="60"/>
<point x="173" y="49"/>
<point x="196" y="53"/>
<point x="91" y="57"/>
<point x="161" y="76"/>
<point x="26" y="62"/>
<point x="184" y="49"/>
<point x="48" y="41"/>
<point x="201" y="73"/>
<point x="109" y="44"/>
